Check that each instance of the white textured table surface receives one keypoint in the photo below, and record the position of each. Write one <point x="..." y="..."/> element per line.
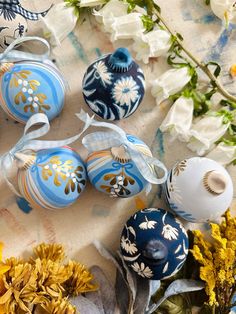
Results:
<point x="95" y="215"/>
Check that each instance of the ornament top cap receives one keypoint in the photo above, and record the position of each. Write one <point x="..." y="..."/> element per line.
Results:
<point x="215" y="182"/>
<point x="120" y="60"/>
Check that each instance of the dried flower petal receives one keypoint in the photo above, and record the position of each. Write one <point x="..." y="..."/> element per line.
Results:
<point x="218" y="260"/>
<point x="53" y="252"/>
<point x="60" y="306"/>
<point x="80" y="281"/>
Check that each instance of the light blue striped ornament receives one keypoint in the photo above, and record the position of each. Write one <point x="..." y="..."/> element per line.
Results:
<point x="29" y="87"/>
<point x="54" y="180"/>
<point x="113" y="171"/>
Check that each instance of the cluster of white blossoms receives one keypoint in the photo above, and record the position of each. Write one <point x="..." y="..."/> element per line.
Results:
<point x="201" y="134"/>
<point x="115" y="20"/>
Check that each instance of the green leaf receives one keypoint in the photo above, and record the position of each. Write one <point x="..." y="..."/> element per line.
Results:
<point x="180" y="37"/>
<point x="174" y="305"/>
<point x="148" y="23"/>
<point x="217" y="69"/>
<point x="74" y="4"/>
<point x="231" y="104"/>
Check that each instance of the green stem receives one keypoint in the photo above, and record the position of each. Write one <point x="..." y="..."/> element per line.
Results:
<point x="201" y="65"/>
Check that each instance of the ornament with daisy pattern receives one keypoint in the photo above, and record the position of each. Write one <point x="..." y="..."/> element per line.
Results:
<point x="114" y="85"/>
<point x="31" y="87"/>
<point x="154" y="244"/>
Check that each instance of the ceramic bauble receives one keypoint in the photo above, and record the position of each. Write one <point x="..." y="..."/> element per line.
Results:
<point x="10" y="29"/>
<point x="113" y="172"/>
<point x="114" y="85"/>
<point x="31" y="87"/>
<point x="154" y="244"/>
<point x="53" y="178"/>
<point x="199" y="189"/>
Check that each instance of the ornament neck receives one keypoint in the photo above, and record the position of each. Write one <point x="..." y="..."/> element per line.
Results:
<point x="120" y="60"/>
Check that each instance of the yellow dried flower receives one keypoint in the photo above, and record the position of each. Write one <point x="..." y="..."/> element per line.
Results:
<point x="59" y="306"/>
<point x="51" y="276"/>
<point x="21" y="286"/>
<point x="218" y="260"/>
<point x="81" y="279"/>
<point x="53" y="252"/>
<point x="3" y="269"/>
<point x="43" y="281"/>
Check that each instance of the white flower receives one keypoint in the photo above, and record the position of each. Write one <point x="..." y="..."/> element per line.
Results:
<point x="205" y="133"/>
<point x="178" y="120"/>
<point x="125" y="91"/>
<point x="102" y="73"/>
<point x="150" y="45"/>
<point x="128" y="246"/>
<point x="142" y="270"/>
<point x="113" y="8"/>
<point x="225" y="10"/>
<point x="148" y="224"/>
<point x="58" y="23"/>
<point x="91" y="3"/>
<point x="170" y="83"/>
<point x="223" y="154"/>
<point x="170" y="232"/>
<point x="127" y="26"/>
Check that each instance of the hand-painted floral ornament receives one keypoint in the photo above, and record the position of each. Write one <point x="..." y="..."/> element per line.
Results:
<point x="119" y="164"/>
<point x="51" y="175"/>
<point x="114" y="85"/>
<point x="54" y="179"/>
<point x="199" y="189"/>
<point x="154" y="244"/>
<point x="29" y="87"/>
<point x="13" y="21"/>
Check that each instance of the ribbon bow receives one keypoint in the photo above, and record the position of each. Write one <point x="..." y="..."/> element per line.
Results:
<point x="105" y="140"/>
<point x="12" y="55"/>
<point x="28" y="142"/>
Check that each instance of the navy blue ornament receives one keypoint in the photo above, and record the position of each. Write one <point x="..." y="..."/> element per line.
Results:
<point x="154" y="244"/>
<point x="114" y="85"/>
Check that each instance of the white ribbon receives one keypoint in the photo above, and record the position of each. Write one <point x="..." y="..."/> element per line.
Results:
<point x="104" y="140"/>
<point x="28" y="142"/>
<point x="12" y="55"/>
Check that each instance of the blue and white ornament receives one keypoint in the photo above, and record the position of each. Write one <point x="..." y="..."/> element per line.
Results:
<point x="154" y="244"/>
<point x="114" y="85"/>
<point x="113" y="171"/>
<point x="199" y="189"/>
<point x="52" y="178"/>
<point x="120" y="164"/>
<point x="31" y="87"/>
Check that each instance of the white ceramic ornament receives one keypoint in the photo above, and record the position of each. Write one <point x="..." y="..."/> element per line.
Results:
<point x="199" y="189"/>
<point x="11" y="29"/>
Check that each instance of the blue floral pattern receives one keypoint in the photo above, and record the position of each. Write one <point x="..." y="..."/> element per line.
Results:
<point x="111" y="94"/>
<point x="155" y="227"/>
